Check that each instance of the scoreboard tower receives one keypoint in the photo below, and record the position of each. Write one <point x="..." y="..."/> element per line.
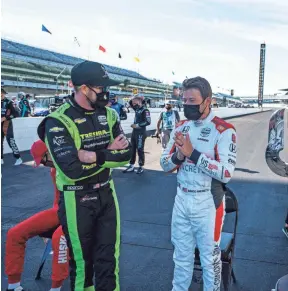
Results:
<point x="261" y="74"/>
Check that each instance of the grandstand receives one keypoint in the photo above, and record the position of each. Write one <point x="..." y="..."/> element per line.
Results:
<point x="38" y="71"/>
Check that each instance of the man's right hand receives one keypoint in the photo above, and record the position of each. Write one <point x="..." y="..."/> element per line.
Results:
<point x="119" y="143"/>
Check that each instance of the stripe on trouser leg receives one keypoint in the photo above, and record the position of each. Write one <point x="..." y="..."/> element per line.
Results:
<point x="117" y="243"/>
<point x="71" y="217"/>
<point x="219" y="222"/>
<point x="217" y="263"/>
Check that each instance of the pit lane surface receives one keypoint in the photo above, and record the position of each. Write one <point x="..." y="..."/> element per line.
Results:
<point x="146" y="205"/>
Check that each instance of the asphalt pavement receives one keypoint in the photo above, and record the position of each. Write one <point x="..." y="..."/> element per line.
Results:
<point x="146" y="203"/>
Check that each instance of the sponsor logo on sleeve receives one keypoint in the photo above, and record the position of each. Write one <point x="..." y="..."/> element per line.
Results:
<point x="232" y="148"/>
<point x="212" y="167"/>
<point x="232" y="162"/>
<point x="227" y="174"/>
<point x="56" y="129"/>
<point x="205" y="132"/>
<point x="203" y="139"/>
<point x="185" y="129"/>
<point x="233" y="138"/>
<point x="59" y="140"/>
<point x="204" y="163"/>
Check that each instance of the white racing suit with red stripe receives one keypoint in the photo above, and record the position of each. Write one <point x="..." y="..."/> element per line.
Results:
<point x="199" y="207"/>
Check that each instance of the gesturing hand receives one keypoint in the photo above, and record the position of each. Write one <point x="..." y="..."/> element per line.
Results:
<point x="87" y="157"/>
<point x="119" y="143"/>
<point x="183" y="144"/>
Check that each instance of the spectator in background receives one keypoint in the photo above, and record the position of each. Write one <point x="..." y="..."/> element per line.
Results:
<point x="8" y="112"/>
<point x="119" y="108"/>
<point x="168" y="118"/>
<point x="24" y="106"/>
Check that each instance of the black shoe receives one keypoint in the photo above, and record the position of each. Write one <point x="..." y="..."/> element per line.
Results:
<point x="130" y="169"/>
<point x="140" y="170"/>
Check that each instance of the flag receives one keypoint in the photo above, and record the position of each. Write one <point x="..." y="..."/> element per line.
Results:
<point x="137" y="60"/>
<point x="101" y="48"/>
<point x="173" y="73"/>
<point x="119" y="56"/>
<point x="76" y="40"/>
<point x="44" y="28"/>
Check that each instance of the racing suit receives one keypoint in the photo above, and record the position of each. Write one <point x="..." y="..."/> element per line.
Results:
<point x="88" y="206"/>
<point x="169" y="120"/>
<point x="24" y="107"/>
<point x="8" y="111"/>
<point x="199" y="207"/>
<point x="41" y="223"/>
<point x="142" y="119"/>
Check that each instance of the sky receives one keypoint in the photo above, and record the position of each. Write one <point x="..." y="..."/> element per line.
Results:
<point x="215" y="39"/>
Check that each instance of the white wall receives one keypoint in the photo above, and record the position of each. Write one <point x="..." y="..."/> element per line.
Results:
<point x="25" y="133"/>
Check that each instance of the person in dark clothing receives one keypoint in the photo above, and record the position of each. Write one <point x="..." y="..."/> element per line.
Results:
<point x="85" y="140"/>
<point x="24" y="105"/>
<point x="119" y="108"/>
<point x="8" y="112"/>
<point x="142" y="119"/>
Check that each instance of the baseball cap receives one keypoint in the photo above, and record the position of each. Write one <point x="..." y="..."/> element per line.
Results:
<point x="3" y="90"/>
<point x="91" y="73"/>
<point x="38" y="150"/>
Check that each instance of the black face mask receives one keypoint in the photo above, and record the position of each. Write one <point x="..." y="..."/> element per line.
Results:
<point x="102" y="99"/>
<point x="136" y="107"/>
<point x="191" y="112"/>
<point x="168" y="107"/>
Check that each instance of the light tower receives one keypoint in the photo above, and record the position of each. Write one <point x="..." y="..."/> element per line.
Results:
<point x="261" y="74"/>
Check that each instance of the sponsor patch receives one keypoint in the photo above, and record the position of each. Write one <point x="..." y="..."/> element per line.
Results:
<point x="87" y="198"/>
<point x="233" y="137"/>
<point x="88" y="167"/>
<point x="205" y="132"/>
<point x="212" y="167"/>
<point x="220" y="128"/>
<point x="59" y="140"/>
<point x="185" y="129"/>
<point x="56" y="129"/>
<point x="203" y="139"/>
<point x="204" y="163"/>
<point x="80" y="120"/>
<point x="232" y="148"/>
<point x="232" y="162"/>
<point x="74" y="188"/>
<point x="227" y="174"/>
<point x="102" y="119"/>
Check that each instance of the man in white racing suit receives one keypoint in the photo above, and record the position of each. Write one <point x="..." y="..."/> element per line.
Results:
<point x="203" y="147"/>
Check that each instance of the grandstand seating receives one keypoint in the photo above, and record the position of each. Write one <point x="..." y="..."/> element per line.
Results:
<point x="25" y="50"/>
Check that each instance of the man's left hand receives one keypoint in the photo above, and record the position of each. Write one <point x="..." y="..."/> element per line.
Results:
<point x="87" y="156"/>
<point x="134" y="126"/>
<point x="183" y="144"/>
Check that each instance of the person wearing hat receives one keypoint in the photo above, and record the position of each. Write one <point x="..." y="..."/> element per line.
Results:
<point x="168" y="119"/>
<point x="141" y="120"/>
<point x="85" y="141"/>
<point x="8" y="112"/>
<point x="25" y="110"/>
<point x="41" y="224"/>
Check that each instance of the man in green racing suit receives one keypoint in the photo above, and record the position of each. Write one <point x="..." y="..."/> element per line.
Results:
<point x="85" y="140"/>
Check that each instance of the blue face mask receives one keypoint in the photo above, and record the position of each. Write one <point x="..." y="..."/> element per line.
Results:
<point x="113" y="101"/>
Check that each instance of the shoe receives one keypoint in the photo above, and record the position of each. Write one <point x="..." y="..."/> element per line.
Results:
<point x="140" y="170"/>
<point x="17" y="163"/>
<point x="285" y="231"/>
<point x="19" y="288"/>
<point x="2" y="162"/>
<point x="129" y="169"/>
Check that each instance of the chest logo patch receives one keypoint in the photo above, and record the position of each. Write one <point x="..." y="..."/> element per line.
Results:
<point x="102" y="119"/>
<point x="205" y="132"/>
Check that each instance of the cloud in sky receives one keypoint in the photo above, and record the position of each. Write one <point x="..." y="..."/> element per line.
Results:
<point x="217" y="39"/>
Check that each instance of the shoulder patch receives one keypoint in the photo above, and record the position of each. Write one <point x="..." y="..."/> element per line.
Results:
<point x="221" y="125"/>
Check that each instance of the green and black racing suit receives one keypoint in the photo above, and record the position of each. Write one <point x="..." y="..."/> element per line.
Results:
<point x="88" y="206"/>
